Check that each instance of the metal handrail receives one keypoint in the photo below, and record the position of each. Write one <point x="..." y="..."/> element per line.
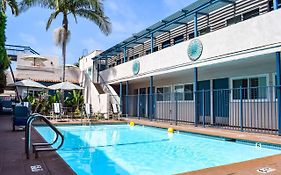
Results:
<point x="33" y="117"/>
<point x="103" y="82"/>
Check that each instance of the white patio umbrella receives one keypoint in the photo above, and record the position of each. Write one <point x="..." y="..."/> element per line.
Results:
<point x="29" y="83"/>
<point x="65" y="86"/>
<point x="34" y="58"/>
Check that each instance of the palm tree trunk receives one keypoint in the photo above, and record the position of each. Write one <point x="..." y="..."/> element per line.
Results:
<point x="65" y="35"/>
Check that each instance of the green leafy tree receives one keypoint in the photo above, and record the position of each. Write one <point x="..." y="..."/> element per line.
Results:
<point x="89" y="9"/>
<point x="75" y="99"/>
<point x="4" y="61"/>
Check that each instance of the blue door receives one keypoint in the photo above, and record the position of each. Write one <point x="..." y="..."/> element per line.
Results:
<point x="221" y="98"/>
<point x="142" y="105"/>
<point x="204" y="85"/>
<point x="153" y="101"/>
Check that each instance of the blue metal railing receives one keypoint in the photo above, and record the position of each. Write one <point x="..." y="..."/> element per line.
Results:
<point x="244" y="109"/>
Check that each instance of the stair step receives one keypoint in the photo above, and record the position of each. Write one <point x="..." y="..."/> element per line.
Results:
<point x="40" y="149"/>
<point x="40" y="144"/>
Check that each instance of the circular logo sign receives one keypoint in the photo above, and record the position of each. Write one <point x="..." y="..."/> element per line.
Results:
<point x="195" y="49"/>
<point x="136" y="67"/>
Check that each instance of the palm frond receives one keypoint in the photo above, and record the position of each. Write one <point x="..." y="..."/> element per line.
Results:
<point x="99" y="18"/>
<point x="51" y="18"/>
<point x="14" y="7"/>
<point x="26" y="4"/>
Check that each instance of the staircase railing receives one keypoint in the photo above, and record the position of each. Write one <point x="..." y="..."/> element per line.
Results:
<point x="39" y="147"/>
<point x="108" y="90"/>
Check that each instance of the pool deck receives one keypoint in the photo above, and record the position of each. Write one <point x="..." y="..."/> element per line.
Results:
<point x="241" y="168"/>
<point x="13" y="161"/>
<point x="12" y="154"/>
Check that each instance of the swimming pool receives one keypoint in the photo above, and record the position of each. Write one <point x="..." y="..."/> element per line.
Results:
<point x="121" y="149"/>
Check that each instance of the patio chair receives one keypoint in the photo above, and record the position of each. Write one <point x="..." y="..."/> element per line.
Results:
<point x="20" y="117"/>
<point x="57" y="110"/>
<point x="7" y="106"/>
<point x="115" y="112"/>
<point x="88" y="110"/>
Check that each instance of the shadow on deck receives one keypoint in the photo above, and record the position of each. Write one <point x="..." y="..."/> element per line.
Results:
<point x="12" y="154"/>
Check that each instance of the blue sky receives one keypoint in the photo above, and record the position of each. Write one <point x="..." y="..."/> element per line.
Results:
<point x="127" y="17"/>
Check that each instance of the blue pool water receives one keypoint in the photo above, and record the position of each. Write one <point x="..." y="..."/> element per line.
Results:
<point x="121" y="149"/>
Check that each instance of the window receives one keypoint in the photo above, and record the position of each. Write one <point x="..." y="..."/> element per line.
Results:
<point x="252" y="88"/>
<point x="163" y="93"/>
<point x="147" y="52"/>
<point x="233" y="20"/>
<point x="251" y="14"/>
<point x="118" y="62"/>
<point x="166" y="44"/>
<point x="258" y="88"/>
<point x="184" y="92"/>
<point x="131" y="57"/>
<point x="111" y="65"/>
<point x="270" y="5"/>
<point x="204" y="31"/>
<point x="102" y="67"/>
<point x="136" y="56"/>
<point x="188" y="92"/>
<point x="179" y="91"/>
<point x="89" y="71"/>
<point x="178" y="39"/>
<point x="191" y="35"/>
<point x="155" y="49"/>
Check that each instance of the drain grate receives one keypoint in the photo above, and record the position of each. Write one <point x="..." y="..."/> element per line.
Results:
<point x="36" y="168"/>
<point x="265" y="170"/>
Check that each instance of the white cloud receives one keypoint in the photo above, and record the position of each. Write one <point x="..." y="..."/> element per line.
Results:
<point x="28" y="39"/>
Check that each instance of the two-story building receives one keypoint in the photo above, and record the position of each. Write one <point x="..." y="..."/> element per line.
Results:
<point x="214" y="62"/>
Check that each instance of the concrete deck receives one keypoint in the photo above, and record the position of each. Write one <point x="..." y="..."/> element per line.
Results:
<point x="12" y="154"/>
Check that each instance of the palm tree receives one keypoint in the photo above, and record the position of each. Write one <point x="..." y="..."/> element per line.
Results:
<point x="13" y="5"/>
<point x="89" y="9"/>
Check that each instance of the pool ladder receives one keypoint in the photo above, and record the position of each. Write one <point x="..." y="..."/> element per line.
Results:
<point x="40" y="147"/>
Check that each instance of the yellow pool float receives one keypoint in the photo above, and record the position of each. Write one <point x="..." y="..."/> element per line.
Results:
<point x="170" y="130"/>
<point x="132" y="124"/>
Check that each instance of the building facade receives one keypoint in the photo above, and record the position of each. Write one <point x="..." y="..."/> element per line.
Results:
<point x="214" y="62"/>
<point x="45" y="70"/>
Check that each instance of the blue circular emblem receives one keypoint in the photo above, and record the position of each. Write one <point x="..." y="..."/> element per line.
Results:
<point x="136" y="67"/>
<point x="195" y="49"/>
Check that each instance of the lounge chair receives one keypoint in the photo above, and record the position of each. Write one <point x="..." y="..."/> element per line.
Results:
<point x="115" y="112"/>
<point x="20" y="117"/>
<point x="88" y="111"/>
<point x="57" y="110"/>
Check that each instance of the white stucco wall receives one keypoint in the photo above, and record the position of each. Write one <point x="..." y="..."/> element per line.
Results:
<point x="256" y="36"/>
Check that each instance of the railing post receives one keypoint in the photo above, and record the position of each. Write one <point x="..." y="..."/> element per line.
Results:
<point x="278" y="90"/>
<point x="138" y="105"/>
<point x="241" y="109"/>
<point x="195" y="87"/>
<point x="176" y="108"/>
<point x="121" y="96"/>
<point x="127" y="98"/>
<point x="151" y="103"/>
<point x="203" y="107"/>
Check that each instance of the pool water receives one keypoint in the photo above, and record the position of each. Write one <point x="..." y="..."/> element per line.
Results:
<point x="121" y="149"/>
